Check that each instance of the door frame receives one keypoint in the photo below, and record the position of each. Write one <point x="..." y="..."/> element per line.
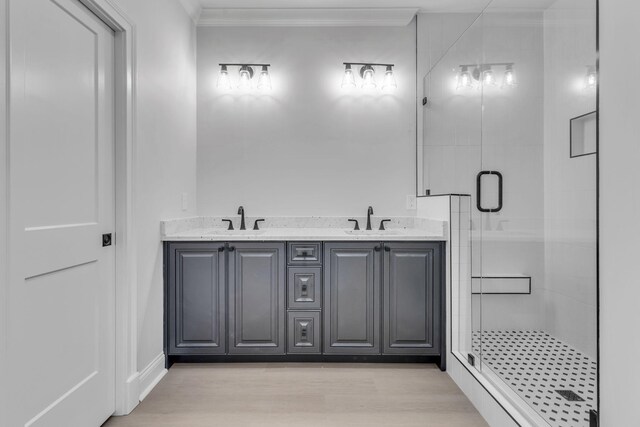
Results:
<point x="127" y="395"/>
<point x="126" y="370"/>
<point x="4" y="206"/>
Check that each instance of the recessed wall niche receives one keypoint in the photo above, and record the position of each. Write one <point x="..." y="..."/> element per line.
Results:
<point x="583" y="135"/>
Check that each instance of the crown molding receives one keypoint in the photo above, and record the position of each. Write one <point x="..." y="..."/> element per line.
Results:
<point x="193" y="8"/>
<point x="387" y="17"/>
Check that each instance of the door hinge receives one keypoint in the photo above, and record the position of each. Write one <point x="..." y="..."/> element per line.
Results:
<point x="472" y="359"/>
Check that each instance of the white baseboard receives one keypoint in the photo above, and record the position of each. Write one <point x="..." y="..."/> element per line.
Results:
<point x="151" y="375"/>
<point x="130" y="397"/>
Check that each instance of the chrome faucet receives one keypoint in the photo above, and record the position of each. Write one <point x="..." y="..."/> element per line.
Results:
<point x="369" y="213"/>
<point x="241" y="213"/>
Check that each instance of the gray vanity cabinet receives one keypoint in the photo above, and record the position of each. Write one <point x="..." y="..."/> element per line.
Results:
<point x="352" y="276"/>
<point x="257" y="298"/>
<point x="305" y="299"/>
<point x="196" y="303"/>
<point x="411" y="293"/>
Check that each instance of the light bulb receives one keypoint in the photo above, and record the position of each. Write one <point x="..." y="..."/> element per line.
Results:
<point x="349" y="80"/>
<point x="591" y="81"/>
<point x="264" y="81"/>
<point x="488" y="79"/>
<point x="245" y="77"/>
<point x="509" y="79"/>
<point x="464" y="79"/>
<point x="389" y="84"/>
<point x="368" y="79"/>
<point x="223" y="79"/>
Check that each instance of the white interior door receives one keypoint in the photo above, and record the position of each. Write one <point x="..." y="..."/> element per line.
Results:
<point x="61" y="319"/>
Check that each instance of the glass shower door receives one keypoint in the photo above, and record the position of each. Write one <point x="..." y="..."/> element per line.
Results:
<point x="536" y="254"/>
<point x="510" y="122"/>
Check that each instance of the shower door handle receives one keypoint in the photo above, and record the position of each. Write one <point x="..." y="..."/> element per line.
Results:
<point x="479" y="191"/>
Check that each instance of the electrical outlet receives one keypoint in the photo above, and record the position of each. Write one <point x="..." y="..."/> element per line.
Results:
<point x="411" y="202"/>
<point x="185" y="201"/>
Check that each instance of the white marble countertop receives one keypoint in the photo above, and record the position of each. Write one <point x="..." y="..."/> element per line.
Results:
<point x="302" y="229"/>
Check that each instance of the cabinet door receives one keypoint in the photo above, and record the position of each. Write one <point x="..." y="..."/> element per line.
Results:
<point x="304" y="332"/>
<point x="352" y="298"/>
<point x="196" y="299"/>
<point x="257" y="298"/>
<point x="412" y="298"/>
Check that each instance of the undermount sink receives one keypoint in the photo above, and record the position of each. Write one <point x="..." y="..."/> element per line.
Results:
<point x="236" y="232"/>
<point x="372" y="232"/>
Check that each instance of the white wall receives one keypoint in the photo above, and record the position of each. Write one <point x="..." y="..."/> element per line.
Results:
<point x="165" y="147"/>
<point x="620" y="213"/>
<point x="570" y="183"/>
<point x="307" y="148"/>
<point x="4" y="275"/>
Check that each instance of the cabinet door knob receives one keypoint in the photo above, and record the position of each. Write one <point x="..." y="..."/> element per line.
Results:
<point x="377" y="248"/>
<point x="387" y="248"/>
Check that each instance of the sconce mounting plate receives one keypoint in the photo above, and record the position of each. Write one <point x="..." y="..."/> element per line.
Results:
<point x="250" y="70"/>
<point x="364" y="67"/>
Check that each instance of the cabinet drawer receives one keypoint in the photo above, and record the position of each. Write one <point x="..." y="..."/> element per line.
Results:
<point x="304" y="287"/>
<point x="304" y="332"/>
<point x="305" y="253"/>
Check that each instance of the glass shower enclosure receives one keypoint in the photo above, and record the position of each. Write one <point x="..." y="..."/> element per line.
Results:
<point x="510" y="121"/>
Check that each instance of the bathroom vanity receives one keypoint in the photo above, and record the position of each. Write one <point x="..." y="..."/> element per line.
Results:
<point x="276" y="295"/>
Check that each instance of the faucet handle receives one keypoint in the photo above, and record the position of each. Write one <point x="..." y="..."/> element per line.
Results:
<point x="230" y="223"/>
<point x="357" y="226"/>
<point x="382" y="224"/>
<point x="255" y="224"/>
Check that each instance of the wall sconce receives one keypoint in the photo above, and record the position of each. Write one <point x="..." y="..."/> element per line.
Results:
<point x="367" y="73"/>
<point x="591" y="79"/>
<point x="464" y="78"/>
<point x="389" y="83"/>
<point x="349" y="80"/>
<point x="485" y="75"/>
<point x="509" y="79"/>
<point x="488" y="79"/>
<point x="264" y="81"/>
<point x="245" y="77"/>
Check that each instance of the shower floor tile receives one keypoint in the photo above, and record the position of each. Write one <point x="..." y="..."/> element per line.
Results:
<point x="556" y="380"/>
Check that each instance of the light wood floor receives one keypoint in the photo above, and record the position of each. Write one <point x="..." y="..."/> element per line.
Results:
<point x="195" y="395"/>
